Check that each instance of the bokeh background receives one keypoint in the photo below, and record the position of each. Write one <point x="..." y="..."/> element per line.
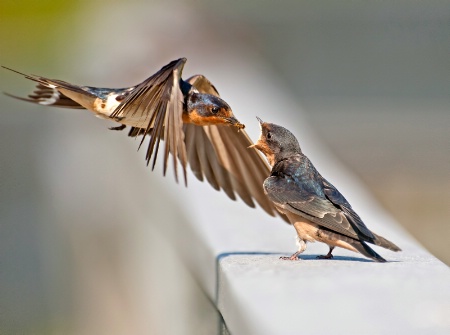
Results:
<point x="373" y="80"/>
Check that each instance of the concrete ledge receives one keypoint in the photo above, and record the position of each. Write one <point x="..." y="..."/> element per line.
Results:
<point x="256" y="293"/>
<point x="235" y="259"/>
<point x="263" y="295"/>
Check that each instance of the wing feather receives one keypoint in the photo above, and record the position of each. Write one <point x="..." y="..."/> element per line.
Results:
<point x="228" y="158"/>
<point x="198" y="154"/>
<point x="156" y="105"/>
<point x="285" y="192"/>
<point x="192" y="154"/>
<point x="338" y="200"/>
<point x="222" y="156"/>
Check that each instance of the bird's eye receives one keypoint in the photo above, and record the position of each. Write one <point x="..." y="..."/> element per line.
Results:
<point x="214" y="110"/>
<point x="268" y="135"/>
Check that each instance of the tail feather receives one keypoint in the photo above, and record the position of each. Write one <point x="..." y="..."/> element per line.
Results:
<point x="382" y="242"/>
<point x="55" y="98"/>
<point x="335" y="239"/>
<point x="367" y="251"/>
<point x="48" y="92"/>
<point x="52" y="83"/>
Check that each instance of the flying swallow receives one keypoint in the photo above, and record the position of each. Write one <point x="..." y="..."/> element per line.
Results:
<point x="197" y="126"/>
<point x="316" y="209"/>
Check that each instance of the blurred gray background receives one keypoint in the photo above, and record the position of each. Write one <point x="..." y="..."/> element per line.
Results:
<point x="372" y="78"/>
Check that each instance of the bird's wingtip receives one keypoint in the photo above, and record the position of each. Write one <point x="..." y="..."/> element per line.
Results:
<point x="9" y="94"/>
<point x="32" y="77"/>
<point x="8" y="68"/>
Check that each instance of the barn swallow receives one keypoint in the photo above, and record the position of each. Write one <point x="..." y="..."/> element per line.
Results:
<point x="197" y="126"/>
<point x="316" y="209"/>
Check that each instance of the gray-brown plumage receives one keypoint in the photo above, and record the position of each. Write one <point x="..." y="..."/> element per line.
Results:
<point x="316" y="209"/>
<point x="196" y="125"/>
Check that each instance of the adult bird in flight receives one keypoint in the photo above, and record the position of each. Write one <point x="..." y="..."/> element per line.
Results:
<point x="197" y="126"/>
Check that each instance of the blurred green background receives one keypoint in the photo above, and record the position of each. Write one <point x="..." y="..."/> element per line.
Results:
<point x="373" y="79"/>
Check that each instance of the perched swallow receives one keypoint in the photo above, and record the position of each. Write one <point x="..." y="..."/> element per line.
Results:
<point x="316" y="209"/>
<point x="197" y="126"/>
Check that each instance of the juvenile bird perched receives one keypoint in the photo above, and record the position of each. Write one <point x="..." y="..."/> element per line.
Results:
<point x="316" y="209"/>
<point x="197" y="126"/>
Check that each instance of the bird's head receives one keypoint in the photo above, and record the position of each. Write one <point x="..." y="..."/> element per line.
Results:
<point x="276" y="142"/>
<point x="207" y="109"/>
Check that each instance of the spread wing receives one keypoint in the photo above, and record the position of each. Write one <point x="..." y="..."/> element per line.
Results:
<point x="221" y="155"/>
<point x="154" y="108"/>
<point x="303" y="200"/>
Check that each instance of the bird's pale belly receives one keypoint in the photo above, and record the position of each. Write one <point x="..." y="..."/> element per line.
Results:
<point x="306" y="230"/>
<point x="104" y="108"/>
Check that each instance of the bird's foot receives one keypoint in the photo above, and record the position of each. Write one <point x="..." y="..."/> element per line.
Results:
<point x="121" y="127"/>
<point x="293" y="257"/>
<point x="327" y="256"/>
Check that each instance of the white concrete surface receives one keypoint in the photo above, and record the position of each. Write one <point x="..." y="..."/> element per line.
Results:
<point x="263" y="295"/>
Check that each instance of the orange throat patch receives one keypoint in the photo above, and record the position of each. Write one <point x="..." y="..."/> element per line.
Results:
<point x="194" y="118"/>
<point x="264" y="148"/>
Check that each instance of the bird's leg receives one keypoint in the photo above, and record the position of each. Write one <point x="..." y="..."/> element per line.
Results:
<point x="327" y="256"/>
<point x="301" y="247"/>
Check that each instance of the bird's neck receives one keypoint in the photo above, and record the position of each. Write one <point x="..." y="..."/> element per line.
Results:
<point x="280" y="162"/>
<point x="283" y="156"/>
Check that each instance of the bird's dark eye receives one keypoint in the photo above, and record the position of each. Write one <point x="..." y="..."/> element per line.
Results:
<point x="214" y="110"/>
<point x="268" y="135"/>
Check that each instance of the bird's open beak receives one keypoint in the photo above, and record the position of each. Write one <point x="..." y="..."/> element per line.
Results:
<point x="255" y="145"/>
<point x="260" y="121"/>
<point x="258" y="143"/>
<point x="234" y="122"/>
